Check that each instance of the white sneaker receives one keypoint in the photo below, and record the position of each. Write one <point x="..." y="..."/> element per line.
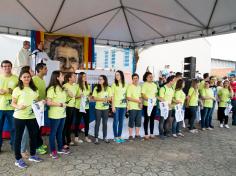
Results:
<point x="77" y="140"/>
<point x="88" y="140"/>
<point x="227" y="126"/>
<point x="221" y="125"/>
<point x="174" y="135"/>
<point x="180" y="134"/>
<point x="192" y="131"/>
<point x="209" y="129"/>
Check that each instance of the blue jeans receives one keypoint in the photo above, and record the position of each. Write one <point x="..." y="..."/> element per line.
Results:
<point x="118" y="121"/>
<point x="56" y="126"/>
<point x="193" y="114"/>
<point x="7" y="116"/>
<point x="211" y="114"/>
<point x="234" y="112"/>
<point x="175" y="125"/>
<point x="25" y="140"/>
<point x="205" y="117"/>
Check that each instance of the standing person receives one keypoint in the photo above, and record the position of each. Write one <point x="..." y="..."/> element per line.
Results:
<point x="23" y="57"/>
<point x="84" y="91"/>
<point x="23" y="97"/>
<point x="149" y="91"/>
<point x="119" y="89"/>
<point x="207" y="96"/>
<point x="134" y="107"/>
<point x="40" y="83"/>
<point x="56" y="100"/>
<point x="192" y="104"/>
<point x="224" y="96"/>
<point x="102" y="96"/>
<point x="165" y="95"/>
<point x="179" y="98"/>
<point x="71" y="88"/>
<point x="178" y="76"/>
<point x="8" y="82"/>
<point x="233" y="100"/>
<point x="39" y="55"/>
<point x="214" y="89"/>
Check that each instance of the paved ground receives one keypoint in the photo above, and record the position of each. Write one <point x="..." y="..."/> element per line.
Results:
<point x="207" y="153"/>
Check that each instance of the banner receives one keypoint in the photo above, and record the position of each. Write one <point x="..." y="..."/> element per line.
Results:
<point x="72" y="51"/>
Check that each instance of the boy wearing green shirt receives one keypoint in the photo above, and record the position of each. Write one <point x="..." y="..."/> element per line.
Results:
<point x="134" y="106"/>
<point x="8" y="82"/>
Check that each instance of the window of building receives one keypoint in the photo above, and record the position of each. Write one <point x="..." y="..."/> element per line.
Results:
<point x="126" y="57"/>
<point x="113" y="58"/>
<point x="106" y="59"/>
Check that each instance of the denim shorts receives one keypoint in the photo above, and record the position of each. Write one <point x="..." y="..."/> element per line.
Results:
<point x="135" y="118"/>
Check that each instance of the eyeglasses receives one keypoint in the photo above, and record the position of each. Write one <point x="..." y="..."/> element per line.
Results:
<point x="100" y="79"/>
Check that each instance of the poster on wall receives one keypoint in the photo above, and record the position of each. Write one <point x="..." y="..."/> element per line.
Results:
<point x="68" y="50"/>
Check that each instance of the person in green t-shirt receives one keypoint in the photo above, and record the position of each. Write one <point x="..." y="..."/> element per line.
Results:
<point x="179" y="98"/>
<point x="71" y="89"/>
<point x="134" y="105"/>
<point x="149" y="92"/>
<point x="102" y="96"/>
<point x="8" y="82"/>
<point x="166" y="94"/>
<point x="56" y="100"/>
<point x="83" y="92"/>
<point x="119" y="88"/>
<point x="23" y="97"/>
<point x="207" y="96"/>
<point x="224" y="95"/>
<point x="192" y="104"/>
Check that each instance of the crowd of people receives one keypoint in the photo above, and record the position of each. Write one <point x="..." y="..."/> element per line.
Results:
<point x="68" y="96"/>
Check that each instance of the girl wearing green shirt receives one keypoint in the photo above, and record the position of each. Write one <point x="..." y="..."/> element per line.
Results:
<point x="119" y="89"/>
<point x="179" y="98"/>
<point x="102" y="97"/>
<point x="71" y="88"/>
<point x="149" y="91"/>
<point x="83" y="91"/>
<point x="192" y="104"/>
<point x="23" y="97"/>
<point x="224" y="96"/>
<point x="56" y="100"/>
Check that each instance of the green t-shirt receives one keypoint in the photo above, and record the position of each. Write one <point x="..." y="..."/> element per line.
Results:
<point x="85" y="92"/>
<point x="133" y="91"/>
<point x="209" y="93"/>
<point x="41" y="85"/>
<point x="72" y="88"/>
<point x="201" y="86"/>
<point x="119" y="94"/>
<point x="25" y="97"/>
<point x="193" y="94"/>
<point x="224" y="94"/>
<point x="166" y="93"/>
<point x="57" y="96"/>
<point x="103" y="94"/>
<point x="179" y="95"/>
<point x="7" y="83"/>
<point x="150" y="90"/>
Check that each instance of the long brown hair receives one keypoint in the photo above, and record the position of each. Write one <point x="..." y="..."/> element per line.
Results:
<point x="179" y="84"/>
<point x="105" y="84"/>
<point x="80" y="81"/>
<point x="54" y="81"/>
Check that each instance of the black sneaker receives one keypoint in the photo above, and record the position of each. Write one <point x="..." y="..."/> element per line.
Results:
<point x="139" y="138"/>
<point x="131" y="138"/>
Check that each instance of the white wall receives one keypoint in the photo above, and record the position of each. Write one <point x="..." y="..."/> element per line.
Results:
<point x="173" y="54"/>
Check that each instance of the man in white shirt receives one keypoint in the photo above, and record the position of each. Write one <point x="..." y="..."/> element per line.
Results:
<point x="23" y="57"/>
<point x="39" y="55"/>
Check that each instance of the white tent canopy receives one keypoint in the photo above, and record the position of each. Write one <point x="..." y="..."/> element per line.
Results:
<point x="120" y="22"/>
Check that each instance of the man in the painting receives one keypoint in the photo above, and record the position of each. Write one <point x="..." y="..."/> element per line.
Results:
<point x="69" y="52"/>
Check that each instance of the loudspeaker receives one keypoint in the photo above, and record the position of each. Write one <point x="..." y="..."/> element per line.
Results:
<point x="189" y="67"/>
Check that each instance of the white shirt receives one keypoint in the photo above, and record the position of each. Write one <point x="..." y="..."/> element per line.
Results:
<point x="23" y="58"/>
<point x="37" y="57"/>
